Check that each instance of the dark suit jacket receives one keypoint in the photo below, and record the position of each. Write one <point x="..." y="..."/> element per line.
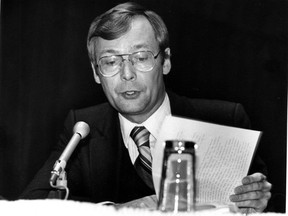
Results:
<point x="100" y="168"/>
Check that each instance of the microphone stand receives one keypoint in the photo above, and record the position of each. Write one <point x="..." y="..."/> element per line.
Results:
<point x="61" y="183"/>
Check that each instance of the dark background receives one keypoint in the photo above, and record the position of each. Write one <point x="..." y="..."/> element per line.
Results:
<point x="221" y="49"/>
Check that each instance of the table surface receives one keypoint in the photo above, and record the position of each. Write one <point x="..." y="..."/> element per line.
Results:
<point x="66" y="207"/>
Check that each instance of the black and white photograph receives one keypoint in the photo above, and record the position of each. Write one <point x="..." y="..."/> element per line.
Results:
<point x="143" y="106"/>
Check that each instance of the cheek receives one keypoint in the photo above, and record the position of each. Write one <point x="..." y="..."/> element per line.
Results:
<point x="108" y="87"/>
<point x="156" y="79"/>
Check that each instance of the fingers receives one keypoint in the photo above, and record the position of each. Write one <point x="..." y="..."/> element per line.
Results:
<point x="256" y="177"/>
<point x="254" y="186"/>
<point x="253" y="195"/>
<point x="254" y="199"/>
<point x="259" y="204"/>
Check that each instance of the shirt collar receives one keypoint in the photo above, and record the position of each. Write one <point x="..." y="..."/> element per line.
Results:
<point x="152" y="124"/>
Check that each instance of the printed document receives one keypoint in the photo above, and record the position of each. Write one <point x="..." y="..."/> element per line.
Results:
<point x="223" y="156"/>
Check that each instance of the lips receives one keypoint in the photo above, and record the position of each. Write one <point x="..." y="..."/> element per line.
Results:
<point x="130" y="94"/>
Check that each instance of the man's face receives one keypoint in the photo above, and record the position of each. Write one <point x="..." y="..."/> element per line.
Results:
<point x="135" y="94"/>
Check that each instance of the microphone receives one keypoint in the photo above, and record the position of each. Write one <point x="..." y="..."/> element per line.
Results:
<point x="81" y="130"/>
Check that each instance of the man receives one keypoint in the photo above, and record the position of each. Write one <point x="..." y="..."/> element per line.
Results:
<point x="129" y="51"/>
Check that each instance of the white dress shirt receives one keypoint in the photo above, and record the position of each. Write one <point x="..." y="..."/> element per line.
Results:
<point x="152" y="124"/>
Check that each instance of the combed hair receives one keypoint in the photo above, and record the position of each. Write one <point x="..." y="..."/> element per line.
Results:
<point x="117" y="21"/>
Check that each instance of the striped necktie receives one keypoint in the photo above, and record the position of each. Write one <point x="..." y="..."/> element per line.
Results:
<point x="143" y="163"/>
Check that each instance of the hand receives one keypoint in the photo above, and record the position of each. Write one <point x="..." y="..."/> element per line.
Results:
<point x="253" y="195"/>
<point x="148" y="202"/>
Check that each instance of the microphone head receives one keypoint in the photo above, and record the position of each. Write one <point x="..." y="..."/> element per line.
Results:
<point x="81" y="128"/>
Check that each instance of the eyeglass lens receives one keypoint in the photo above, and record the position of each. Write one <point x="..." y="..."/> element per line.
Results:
<point x="142" y="61"/>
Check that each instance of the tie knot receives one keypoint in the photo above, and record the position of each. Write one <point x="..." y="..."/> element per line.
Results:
<point x="140" y="135"/>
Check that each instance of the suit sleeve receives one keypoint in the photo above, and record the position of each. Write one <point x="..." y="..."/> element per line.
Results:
<point x="242" y="120"/>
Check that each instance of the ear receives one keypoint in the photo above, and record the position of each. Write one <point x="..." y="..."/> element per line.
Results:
<point x="167" y="61"/>
<point x="95" y="74"/>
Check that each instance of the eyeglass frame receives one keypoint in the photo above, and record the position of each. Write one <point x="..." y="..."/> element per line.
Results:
<point x="128" y="59"/>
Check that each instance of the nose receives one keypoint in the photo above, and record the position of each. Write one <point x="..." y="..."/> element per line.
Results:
<point x="127" y="72"/>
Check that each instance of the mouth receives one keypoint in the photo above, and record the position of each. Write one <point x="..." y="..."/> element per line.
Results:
<point x="130" y="94"/>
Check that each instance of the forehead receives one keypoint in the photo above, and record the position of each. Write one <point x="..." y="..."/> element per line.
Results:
<point x="140" y="36"/>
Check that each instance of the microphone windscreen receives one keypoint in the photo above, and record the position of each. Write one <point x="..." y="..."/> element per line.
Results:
<point x="81" y="128"/>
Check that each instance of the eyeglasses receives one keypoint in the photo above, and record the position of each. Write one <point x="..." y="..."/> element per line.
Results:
<point x="143" y="61"/>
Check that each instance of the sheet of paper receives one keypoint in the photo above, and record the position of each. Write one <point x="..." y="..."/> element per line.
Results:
<point x="223" y="155"/>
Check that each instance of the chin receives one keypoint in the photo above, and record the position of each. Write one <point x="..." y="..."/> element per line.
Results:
<point x="131" y="110"/>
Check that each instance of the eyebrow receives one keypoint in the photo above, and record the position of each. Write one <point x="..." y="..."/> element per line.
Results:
<point x="108" y="51"/>
<point x="115" y="52"/>
<point x="139" y="46"/>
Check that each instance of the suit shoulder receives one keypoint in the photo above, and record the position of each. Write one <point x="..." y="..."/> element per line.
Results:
<point x="199" y="104"/>
<point x="223" y="112"/>
<point x="94" y="110"/>
<point x="214" y="111"/>
<point x="213" y="104"/>
<point x="94" y="115"/>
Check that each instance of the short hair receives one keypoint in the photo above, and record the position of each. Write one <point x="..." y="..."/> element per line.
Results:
<point x="117" y="21"/>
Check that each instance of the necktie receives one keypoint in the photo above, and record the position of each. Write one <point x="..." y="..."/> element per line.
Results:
<point x="143" y="163"/>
